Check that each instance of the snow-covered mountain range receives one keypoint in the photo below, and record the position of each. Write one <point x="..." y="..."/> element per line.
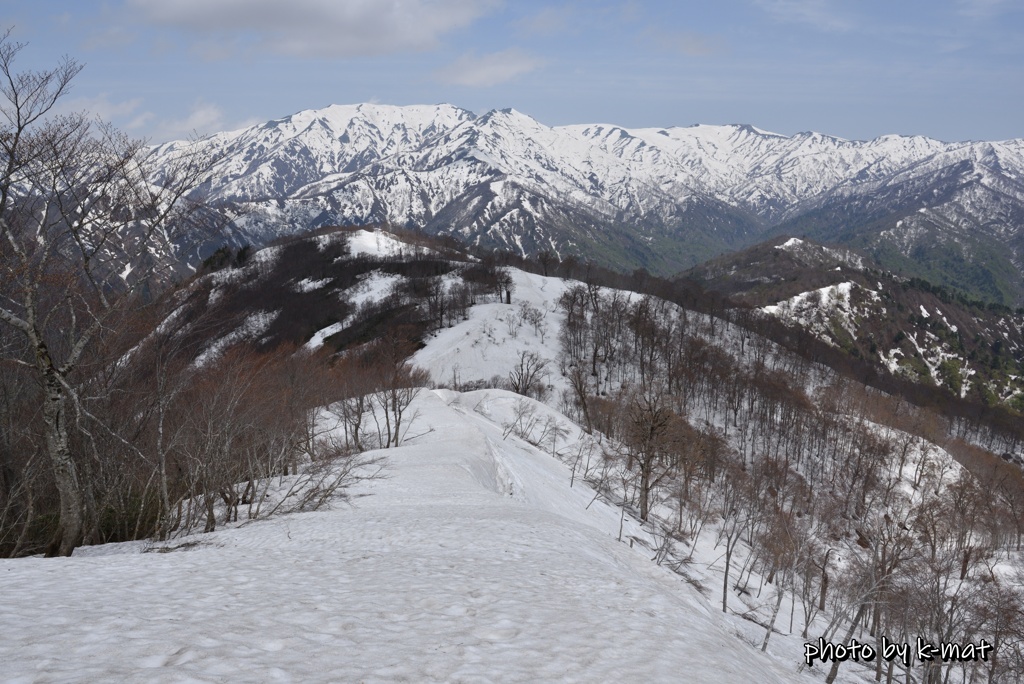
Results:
<point x="660" y="198"/>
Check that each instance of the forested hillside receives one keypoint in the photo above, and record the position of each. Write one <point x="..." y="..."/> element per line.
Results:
<point x="780" y="487"/>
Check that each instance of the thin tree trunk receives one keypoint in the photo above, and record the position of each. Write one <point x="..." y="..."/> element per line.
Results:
<point x="824" y="581"/>
<point x="832" y="673"/>
<point x="775" y="615"/>
<point x="645" y="485"/>
<point x="65" y="472"/>
<point x="725" y="578"/>
<point x="165" y="496"/>
<point x="30" y="510"/>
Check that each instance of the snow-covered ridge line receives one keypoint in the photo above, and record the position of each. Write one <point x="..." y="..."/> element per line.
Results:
<point x="473" y="559"/>
<point x="506" y="179"/>
<point x="341" y="140"/>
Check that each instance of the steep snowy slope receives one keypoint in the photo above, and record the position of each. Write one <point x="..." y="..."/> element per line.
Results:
<point x="765" y="172"/>
<point x="277" y="159"/>
<point x="472" y="561"/>
<point x="494" y="336"/>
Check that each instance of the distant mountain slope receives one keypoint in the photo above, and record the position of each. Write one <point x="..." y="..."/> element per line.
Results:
<point x="913" y="328"/>
<point x="661" y="199"/>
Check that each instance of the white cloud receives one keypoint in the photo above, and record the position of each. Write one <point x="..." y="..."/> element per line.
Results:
<point x="132" y="117"/>
<point x="821" y="14"/>
<point x="109" y="36"/>
<point x="981" y="9"/>
<point x="139" y="122"/>
<point x="203" y="118"/>
<point x="548" y="22"/>
<point x="101" y="106"/>
<point x="488" y="70"/>
<point x="316" y="28"/>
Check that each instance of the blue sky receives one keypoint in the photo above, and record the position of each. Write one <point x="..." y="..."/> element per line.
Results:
<point x="160" y="69"/>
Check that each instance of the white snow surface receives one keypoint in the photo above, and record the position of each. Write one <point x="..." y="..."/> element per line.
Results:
<point x="483" y="346"/>
<point x="251" y="328"/>
<point x="817" y="310"/>
<point x="310" y="284"/>
<point x="472" y="561"/>
<point x="376" y="243"/>
<point x="374" y="286"/>
<point x="373" y="163"/>
<point x="317" y="340"/>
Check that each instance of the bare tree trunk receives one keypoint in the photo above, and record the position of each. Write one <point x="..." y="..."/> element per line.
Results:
<point x="834" y="672"/>
<point x="65" y="472"/>
<point x="725" y="577"/>
<point x="645" y="486"/>
<point x="775" y="614"/>
<point x="824" y="581"/>
<point x="164" y="530"/>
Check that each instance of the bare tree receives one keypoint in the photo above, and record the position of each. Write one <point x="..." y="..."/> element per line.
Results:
<point x="81" y="208"/>
<point x="651" y="435"/>
<point x="398" y="383"/>
<point x="546" y="258"/>
<point x="733" y="492"/>
<point x="505" y="284"/>
<point x="527" y="376"/>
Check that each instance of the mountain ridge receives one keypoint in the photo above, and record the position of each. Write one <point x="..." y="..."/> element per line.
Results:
<point x="663" y="199"/>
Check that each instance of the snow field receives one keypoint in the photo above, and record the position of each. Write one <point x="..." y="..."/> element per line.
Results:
<point x="473" y="560"/>
<point x="378" y="243"/>
<point x="483" y="347"/>
<point x="479" y="349"/>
